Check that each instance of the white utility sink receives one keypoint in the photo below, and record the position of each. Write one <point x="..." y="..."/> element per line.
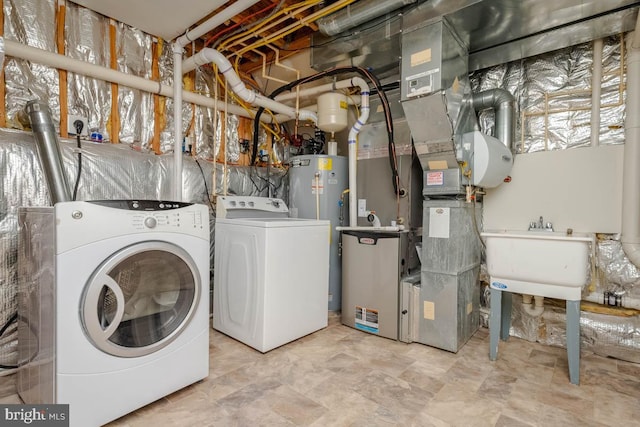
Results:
<point x="544" y="263"/>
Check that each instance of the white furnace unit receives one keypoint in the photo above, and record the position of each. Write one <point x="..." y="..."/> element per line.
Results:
<point x="271" y="273"/>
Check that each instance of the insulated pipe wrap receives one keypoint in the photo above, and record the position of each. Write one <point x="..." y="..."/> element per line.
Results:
<point x="44" y="131"/>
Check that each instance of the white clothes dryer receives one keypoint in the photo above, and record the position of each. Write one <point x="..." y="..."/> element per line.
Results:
<point x="112" y="302"/>
<point x="271" y="274"/>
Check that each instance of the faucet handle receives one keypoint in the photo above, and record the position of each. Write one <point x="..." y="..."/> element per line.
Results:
<point x="533" y="225"/>
<point x="548" y="226"/>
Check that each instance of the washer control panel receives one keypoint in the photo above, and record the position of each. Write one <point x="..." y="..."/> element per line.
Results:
<point x="250" y="207"/>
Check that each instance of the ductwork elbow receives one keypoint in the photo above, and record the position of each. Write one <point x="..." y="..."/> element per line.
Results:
<point x="504" y="105"/>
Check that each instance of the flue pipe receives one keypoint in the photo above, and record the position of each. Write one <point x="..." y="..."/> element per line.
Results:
<point x="358" y="13"/>
<point x="48" y="149"/>
<point x="208" y="55"/>
<point x="630" y="236"/>
<point x="353" y="148"/>
<point x="39" y="56"/>
<point x="503" y="104"/>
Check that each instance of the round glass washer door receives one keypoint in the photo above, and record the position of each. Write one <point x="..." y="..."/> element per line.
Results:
<point x="140" y="299"/>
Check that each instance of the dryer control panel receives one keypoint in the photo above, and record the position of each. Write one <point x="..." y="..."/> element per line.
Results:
<point x="141" y="205"/>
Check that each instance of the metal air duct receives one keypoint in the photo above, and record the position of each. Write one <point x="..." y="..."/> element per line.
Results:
<point x="435" y="94"/>
<point x="503" y="103"/>
<point x="48" y="150"/>
<point x="358" y="13"/>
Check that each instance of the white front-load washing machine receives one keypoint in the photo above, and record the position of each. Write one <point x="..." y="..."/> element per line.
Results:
<point x="112" y="303"/>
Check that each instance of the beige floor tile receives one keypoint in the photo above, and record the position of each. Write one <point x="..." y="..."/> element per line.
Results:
<point x="339" y="376"/>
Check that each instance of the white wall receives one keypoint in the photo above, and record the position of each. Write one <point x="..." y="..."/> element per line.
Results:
<point x="579" y="188"/>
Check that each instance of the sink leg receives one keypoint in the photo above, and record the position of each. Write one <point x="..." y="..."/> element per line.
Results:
<point x="505" y="320"/>
<point x="494" y="322"/>
<point x="573" y="340"/>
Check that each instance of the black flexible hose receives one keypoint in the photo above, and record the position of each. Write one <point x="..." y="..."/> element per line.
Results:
<point x="340" y="70"/>
<point x="78" y="125"/>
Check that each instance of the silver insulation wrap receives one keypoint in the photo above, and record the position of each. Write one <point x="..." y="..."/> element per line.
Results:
<point x="87" y="39"/>
<point x="618" y="280"/>
<point x="553" y="97"/>
<point x="30" y="22"/>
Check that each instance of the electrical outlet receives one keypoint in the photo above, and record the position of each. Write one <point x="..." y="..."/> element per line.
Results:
<point x="362" y="208"/>
<point x="71" y="128"/>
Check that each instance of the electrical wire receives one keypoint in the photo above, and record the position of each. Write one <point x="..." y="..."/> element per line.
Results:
<point x="393" y="161"/>
<point x="78" y="125"/>
<point x="206" y="188"/>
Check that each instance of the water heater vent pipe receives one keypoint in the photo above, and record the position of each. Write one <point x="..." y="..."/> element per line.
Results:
<point x="44" y="131"/>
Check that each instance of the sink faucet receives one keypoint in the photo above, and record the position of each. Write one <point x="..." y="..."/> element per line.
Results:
<point x="540" y="225"/>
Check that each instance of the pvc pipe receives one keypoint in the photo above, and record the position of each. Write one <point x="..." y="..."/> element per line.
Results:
<point x="627" y="302"/>
<point x="353" y="149"/>
<point x="62" y="62"/>
<point x="216" y="20"/>
<point x="596" y="91"/>
<point x="208" y="55"/>
<point x="529" y="309"/>
<point x="358" y="13"/>
<point x="176" y="183"/>
<point x="315" y="90"/>
<point x="630" y="236"/>
<point x="504" y="105"/>
<point x="48" y="150"/>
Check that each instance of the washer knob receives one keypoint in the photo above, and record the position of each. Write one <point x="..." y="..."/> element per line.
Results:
<point x="150" y="222"/>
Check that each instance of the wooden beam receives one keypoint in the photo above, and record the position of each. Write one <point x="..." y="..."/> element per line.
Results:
<point x="62" y="74"/>
<point x="292" y="48"/>
<point x="158" y="103"/>
<point x="115" y="114"/>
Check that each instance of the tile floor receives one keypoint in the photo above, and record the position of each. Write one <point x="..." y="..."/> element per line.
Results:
<point x="343" y="377"/>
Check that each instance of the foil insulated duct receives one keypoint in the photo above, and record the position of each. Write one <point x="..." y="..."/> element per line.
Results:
<point x="358" y="13"/>
<point x="553" y="97"/>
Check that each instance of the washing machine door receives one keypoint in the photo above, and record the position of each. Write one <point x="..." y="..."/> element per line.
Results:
<point x="140" y="299"/>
